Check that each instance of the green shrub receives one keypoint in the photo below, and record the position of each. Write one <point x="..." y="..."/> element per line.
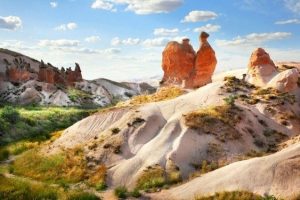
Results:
<point x="121" y="192"/>
<point x="230" y="100"/>
<point x="10" y="114"/>
<point x="101" y="186"/>
<point x="135" y="193"/>
<point x="235" y="195"/>
<point x="13" y="189"/>
<point x="4" y="154"/>
<point x="78" y="195"/>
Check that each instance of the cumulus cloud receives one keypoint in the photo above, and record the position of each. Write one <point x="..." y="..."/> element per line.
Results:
<point x="92" y="39"/>
<point x="129" y="41"/>
<point x="253" y="39"/>
<point x="112" y="51"/>
<point x="156" y="42"/>
<point x="289" y="21"/>
<point x="138" y="6"/>
<point x="210" y="28"/>
<point x="59" y="43"/>
<point x="293" y="5"/>
<point x="65" y="27"/>
<point x="10" y="23"/>
<point x="103" y="5"/>
<point x="53" y="4"/>
<point x="199" y="16"/>
<point x="166" y="32"/>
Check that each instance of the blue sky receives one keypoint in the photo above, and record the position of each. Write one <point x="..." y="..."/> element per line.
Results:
<point x="123" y="39"/>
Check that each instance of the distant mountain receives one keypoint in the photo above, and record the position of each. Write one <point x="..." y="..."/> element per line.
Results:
<point x="24" y="80"/>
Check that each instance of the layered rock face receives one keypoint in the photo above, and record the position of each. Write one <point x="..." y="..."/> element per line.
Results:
<point x="182" y="66"/>
<point x="178" y="62"/>
<point x="52" y="75"/>
<point x="262" y="72"/>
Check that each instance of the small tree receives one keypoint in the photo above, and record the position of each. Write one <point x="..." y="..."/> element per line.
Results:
<point x="230" y="100"/>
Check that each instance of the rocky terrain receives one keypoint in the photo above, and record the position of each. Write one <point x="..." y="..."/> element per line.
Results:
<point x="24" y="81"/>
<point x="208" y="139"/>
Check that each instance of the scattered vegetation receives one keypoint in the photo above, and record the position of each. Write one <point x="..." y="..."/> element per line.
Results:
<point x="218" y="120"/>
<point x="67" y="167"/>
<point x="121" y="192"/>
<point x="15" y="188"/>
<point x="162" y="94"/>
<point x="236" y="195"/>
<point x="155" y="177"/>
<point x="78" y="96"/>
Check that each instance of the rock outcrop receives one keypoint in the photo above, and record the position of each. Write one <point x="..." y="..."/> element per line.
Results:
<point x="182" y="66"/>
<point x="262" y="72"/>
<point x="53" y="75"/>
<point x="205" y="66"/>
<point x="178" y="62"/>
<point x="261" y="68"/>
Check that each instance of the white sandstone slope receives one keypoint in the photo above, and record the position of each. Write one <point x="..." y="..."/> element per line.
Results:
<point x="156" y="134"/>
<point x="277" y="174"/>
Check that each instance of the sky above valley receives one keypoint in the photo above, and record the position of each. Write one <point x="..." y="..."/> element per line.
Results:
<point x="124" y="39"/>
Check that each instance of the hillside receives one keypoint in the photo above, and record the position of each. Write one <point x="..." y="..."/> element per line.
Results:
<point x="24" y="81"/>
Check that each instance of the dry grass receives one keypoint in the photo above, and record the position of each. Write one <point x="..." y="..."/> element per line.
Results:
<point x="67" y="167"/>
<point x="153" y="177"/>
<point x="162" y="94"/>
<point x="99" y="176"/>
<point x="218" y="120"/>
<point x="235" y="195"/>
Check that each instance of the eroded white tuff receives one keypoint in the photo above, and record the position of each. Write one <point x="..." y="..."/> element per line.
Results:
<point x="155" y="134"/>
<point x="277" y="174"/>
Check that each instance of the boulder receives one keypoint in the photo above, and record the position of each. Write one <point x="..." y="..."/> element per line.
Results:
<point x="285" y="81"/>
<point x="262" y="72"/>
<point x="177" y="63"/>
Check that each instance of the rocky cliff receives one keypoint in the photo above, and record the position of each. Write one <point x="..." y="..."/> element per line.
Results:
<point x="24" y="80"/>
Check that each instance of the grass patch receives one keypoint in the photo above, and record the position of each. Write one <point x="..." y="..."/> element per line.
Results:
<point x="78" y="96"/>
<point x="121" y="192"/>
<point x="218" y="120"/>
<point x="68" y="167"/>
<point x="36" y="123"/>
<point x="162" y="94"/>
<point x="12" y="189"/>
<point x="15" y="188"/>
<point x="236" y="195"/>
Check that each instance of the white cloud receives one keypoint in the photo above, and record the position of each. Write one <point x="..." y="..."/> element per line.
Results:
<point x="129" y="41"/>
<point x="289" y="21"/>
<point x="92" y="39"/>
<point x="10" y="22"/>
<point x="138" y="6"/>
<point x="210" y="28"/>
<point x="65" y="27"/>
<point x="293" y="5"/>
<point x="53" y="4"/>
<point x="199" y="15"/>
<point x="156" y="42"/>
<point x="166" y="32"/>
<point x="112" y="51"/>
<point x="59" y="43"/>
<point x="103" y="5"/>
<point x="253" y="39"/>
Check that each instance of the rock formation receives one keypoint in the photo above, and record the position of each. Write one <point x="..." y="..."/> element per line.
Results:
<point x="178" y="62"/>
<point x="205" y="64"/>
<point x="182" y="66"/>
<point x="262" y="72"/>
<point x="261" y="68"/>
